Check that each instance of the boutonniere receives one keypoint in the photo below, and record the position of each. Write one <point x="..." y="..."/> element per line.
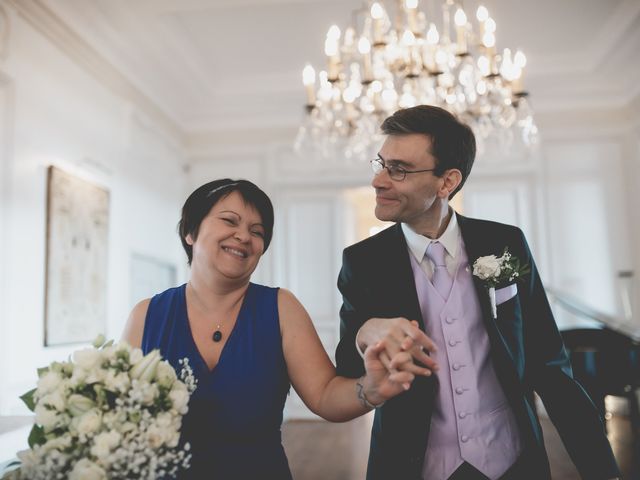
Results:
<point x="494" y="271"/>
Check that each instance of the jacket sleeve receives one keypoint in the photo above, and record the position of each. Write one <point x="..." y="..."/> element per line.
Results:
<point x="349" y="363"/>
<point x="548" y="368"/>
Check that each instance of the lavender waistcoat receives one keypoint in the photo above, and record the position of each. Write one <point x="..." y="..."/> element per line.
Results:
<point x="471" y="420"/>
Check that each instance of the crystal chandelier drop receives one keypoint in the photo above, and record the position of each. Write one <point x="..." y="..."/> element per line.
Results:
<point x="438" y="58"/>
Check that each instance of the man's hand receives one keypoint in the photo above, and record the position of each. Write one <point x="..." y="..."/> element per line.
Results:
<point x="399" y="335"/>
<point x="379" y="383"/>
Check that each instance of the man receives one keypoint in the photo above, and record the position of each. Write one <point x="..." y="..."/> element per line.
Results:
<point x="413" y="285"/>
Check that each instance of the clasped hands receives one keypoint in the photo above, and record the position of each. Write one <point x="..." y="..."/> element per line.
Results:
<point x="396" y="350"/>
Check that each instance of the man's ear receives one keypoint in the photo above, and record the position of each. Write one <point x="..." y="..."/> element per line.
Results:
<point x="189" y="239"/>
<point x="452" y="179"/>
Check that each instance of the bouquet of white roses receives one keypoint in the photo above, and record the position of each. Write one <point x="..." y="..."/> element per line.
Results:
<point x="107" y="413"/>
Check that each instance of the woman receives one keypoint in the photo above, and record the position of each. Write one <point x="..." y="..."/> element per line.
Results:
<point x="247" y="343"/>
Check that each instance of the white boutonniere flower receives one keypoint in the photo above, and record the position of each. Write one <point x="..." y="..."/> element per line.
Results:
<point x="494" y="271"/>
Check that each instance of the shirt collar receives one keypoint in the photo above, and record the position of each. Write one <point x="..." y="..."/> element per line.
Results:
<point x="418" y="243"/>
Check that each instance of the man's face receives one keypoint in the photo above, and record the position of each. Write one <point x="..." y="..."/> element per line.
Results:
<point x="412" y="200"/>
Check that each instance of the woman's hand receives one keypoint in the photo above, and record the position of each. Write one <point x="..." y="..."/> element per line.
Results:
<point x="399" y="335"/>
<point x="380" y="383"/>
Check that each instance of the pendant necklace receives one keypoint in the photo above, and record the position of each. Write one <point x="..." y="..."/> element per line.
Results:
<point x="217" y="335"/>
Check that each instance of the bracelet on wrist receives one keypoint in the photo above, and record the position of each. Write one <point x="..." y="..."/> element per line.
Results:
<point x="362" y="397"/>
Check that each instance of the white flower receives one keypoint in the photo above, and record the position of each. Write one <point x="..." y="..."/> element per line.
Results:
<point x="99" y="341"/>
<point x="145" y="368"/>
<point x="48" y="382"/>
<point x="28" y="458"/>
<point x="87" y="358"/>
<point x="89" y="422"/>
<point x="54" y="399"/>
<point x="487" y="267"/>
<point x="149" y="394"/>
<point x="47" y="418"/>
<point x="135" y="356"/>
<point x="96" y="375"/>
<point x="85" y="469"/>
<point x="155" y="436"/>
<point x="179" y="398"/>
<point x="117" y="382"/>
<point x="58" y="443"/>
<point x="79" y="404"/>
<point x="166" y="374"/>
<point x="103" y="443"/>
<point x="78" y="377"/>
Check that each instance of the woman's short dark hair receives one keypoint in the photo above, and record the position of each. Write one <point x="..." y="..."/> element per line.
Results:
<point x="452" y="142"/>
<point x="202" y="200"/>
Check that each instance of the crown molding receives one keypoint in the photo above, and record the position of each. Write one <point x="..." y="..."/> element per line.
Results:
<point x="77" y="49"/>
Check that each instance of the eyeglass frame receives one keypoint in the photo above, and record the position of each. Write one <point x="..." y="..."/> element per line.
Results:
<point x="380" y="161"/>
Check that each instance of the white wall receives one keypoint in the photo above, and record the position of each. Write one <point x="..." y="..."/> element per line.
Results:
<point x="52" y="112"/>
<point x="591" y="180"/>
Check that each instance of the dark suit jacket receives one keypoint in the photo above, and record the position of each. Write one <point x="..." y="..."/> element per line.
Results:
<point x="376" y="280"/>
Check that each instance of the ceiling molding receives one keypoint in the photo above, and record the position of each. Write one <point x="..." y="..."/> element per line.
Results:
<point x="178" y="6"/>
<point x="604" y="41"/>
<point x="75" y="47"/>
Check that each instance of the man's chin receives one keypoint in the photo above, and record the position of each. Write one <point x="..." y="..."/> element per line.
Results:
<point x="384" y="215"/>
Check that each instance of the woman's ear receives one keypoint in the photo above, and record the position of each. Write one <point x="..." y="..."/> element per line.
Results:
<point x="452" y="179"/>
<point x="189" y="239"/>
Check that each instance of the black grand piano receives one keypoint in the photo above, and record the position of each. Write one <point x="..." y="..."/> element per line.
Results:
<point x="605" y="358"/>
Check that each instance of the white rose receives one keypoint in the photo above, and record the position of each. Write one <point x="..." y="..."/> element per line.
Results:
<point x="487" y="267"/>
<point x="87" y="358"/>
<point x="54" y="399"/>
<point x="166" y="374"/>
<point x="85" y="469"/>
<point x="89" y="422"/>
<point x="79" y="404"/>
<point x="179" y="398"/>
<point x="104" y="443"/>
<point x="48" y="382"/>
<point x="164" y="420"/>
<point x="155" y="436"/>
<point x="45" y="417"/>
<point x="117" y="382"/>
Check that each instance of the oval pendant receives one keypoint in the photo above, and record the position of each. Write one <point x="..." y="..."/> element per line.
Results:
<point x="217" y="336"/>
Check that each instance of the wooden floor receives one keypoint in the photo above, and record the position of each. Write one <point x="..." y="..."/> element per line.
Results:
<point x="320" y="450"/>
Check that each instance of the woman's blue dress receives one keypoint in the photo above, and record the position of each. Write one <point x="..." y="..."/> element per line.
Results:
<point x="235" y="414"/>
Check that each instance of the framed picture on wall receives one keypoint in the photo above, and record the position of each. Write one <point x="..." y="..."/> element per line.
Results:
<point x="76" y="259"/>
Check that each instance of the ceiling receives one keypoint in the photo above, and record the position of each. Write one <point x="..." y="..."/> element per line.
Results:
<point x="217" y="64"/>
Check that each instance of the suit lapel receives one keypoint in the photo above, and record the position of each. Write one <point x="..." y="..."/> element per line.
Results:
<point x="476" y="247"/>
<point x="477" y="243"/>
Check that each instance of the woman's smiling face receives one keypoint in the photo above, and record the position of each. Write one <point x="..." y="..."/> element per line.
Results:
<point x="230" y="239"/>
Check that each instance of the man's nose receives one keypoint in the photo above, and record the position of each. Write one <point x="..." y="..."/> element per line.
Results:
<point x="381" y="180"/>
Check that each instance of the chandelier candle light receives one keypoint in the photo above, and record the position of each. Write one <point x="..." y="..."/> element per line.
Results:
<point x="377" y="67"/>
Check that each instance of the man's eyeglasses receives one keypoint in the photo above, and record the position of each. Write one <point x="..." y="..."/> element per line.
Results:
<point x="395" y="172"/>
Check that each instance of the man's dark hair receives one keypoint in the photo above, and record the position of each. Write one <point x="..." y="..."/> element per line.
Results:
<point x="202" y="200"/>
<point x="452" y="142"/>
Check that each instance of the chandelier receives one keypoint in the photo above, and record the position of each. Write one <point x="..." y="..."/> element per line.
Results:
<point x="378" y="66"/>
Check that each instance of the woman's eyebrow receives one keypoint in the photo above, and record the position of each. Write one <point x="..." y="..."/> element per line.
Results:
<point x="230" y="211"/>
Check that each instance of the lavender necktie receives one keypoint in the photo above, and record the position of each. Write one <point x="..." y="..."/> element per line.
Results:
<point x="441" y="279"/>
